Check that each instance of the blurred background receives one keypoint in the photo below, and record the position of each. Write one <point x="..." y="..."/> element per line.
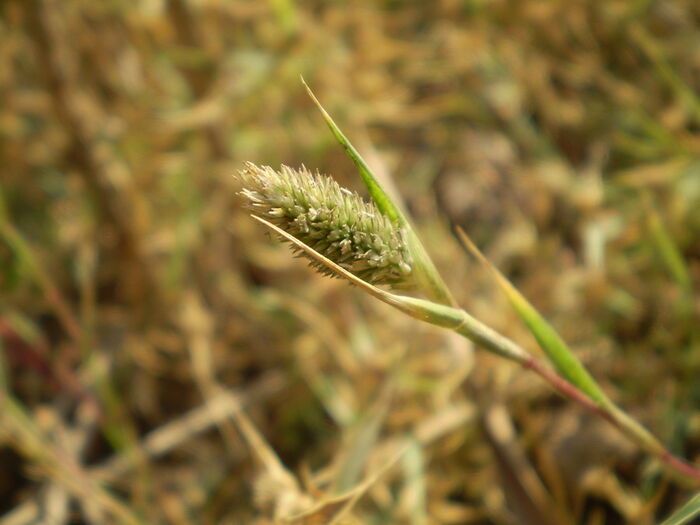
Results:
<point x="165" y="361"/>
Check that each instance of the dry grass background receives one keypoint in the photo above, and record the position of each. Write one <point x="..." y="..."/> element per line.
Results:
<point x="164" y="362"/>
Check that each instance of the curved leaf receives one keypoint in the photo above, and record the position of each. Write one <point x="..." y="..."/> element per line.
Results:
<point x="549" y="340"/>
<point x="428" y="277"/>
<point x="689" y="511"/>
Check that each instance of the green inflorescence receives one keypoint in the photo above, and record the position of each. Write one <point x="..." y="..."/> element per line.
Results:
<point x="332" y="220"/>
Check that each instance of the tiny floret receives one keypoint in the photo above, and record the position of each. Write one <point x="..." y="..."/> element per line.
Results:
<point x="332" y="220"/>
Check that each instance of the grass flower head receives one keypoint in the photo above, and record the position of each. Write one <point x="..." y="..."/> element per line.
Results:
<point x="332" y="220"/>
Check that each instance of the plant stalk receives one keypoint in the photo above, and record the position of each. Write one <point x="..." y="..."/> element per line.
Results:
<point x="490" y="340"/>
<point x="463" y="323"/>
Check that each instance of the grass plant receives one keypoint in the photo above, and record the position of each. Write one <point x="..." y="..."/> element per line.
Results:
<point x="318" y="218"/>
<point x="162" y="362"/>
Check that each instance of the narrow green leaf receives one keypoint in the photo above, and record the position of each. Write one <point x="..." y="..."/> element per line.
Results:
<point x="579" y="383"/>
<point x="334" y="510"/>
<point x="384" y="202"/>
<point x="359" y="444"/>
<point x="427" y="275"/>
<point x="689" y="511"/>
<point x="668" y="250"/>
<point x="551" y="343"/>
<point x="415" y="483"/>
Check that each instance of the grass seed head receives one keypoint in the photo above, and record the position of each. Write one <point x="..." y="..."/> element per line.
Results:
<point x="332" y="220"/>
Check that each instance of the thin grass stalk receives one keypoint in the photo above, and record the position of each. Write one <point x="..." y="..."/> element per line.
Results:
<point x="554" y="347"/>
<point x="119" y="428"/>
<point x="20" y="427"/>
<point x="464" y="324"/>
<point x="571" y="379"/>
<point x="24" y="254"/>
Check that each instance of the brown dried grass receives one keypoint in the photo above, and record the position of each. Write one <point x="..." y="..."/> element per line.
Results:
<point x="166" y="363"/>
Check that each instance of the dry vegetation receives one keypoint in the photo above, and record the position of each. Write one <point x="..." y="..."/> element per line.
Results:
<point x="164" y="362"/>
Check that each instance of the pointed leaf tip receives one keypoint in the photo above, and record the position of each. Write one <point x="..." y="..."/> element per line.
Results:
<point x="548" y="339"/>
<point x="384" y="202"/>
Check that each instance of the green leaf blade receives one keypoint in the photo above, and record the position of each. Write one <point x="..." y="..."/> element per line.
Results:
<point x="668" y="251"/>
<point x="556" y="350"/>
<point x="427" y="275"/>
<point x="687" y="512"/>
<point x="383" y="200"/>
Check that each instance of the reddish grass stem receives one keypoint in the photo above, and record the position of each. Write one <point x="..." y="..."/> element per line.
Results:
<point x="569" y="391"/>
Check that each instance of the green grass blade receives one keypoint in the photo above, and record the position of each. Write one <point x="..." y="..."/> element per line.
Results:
<point x="579" y="386"/>
<point x="383" y="200"/>
<point x="415" y="481"/>
<point x="362" y="439"/>
<point x="668" y="251"/>
<point x="557" y="351"/>
<point x="689" y="511"/>
<point x="427" y="275"/>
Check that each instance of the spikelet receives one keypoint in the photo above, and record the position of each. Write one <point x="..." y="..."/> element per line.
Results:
<point x="332" y="220"/>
